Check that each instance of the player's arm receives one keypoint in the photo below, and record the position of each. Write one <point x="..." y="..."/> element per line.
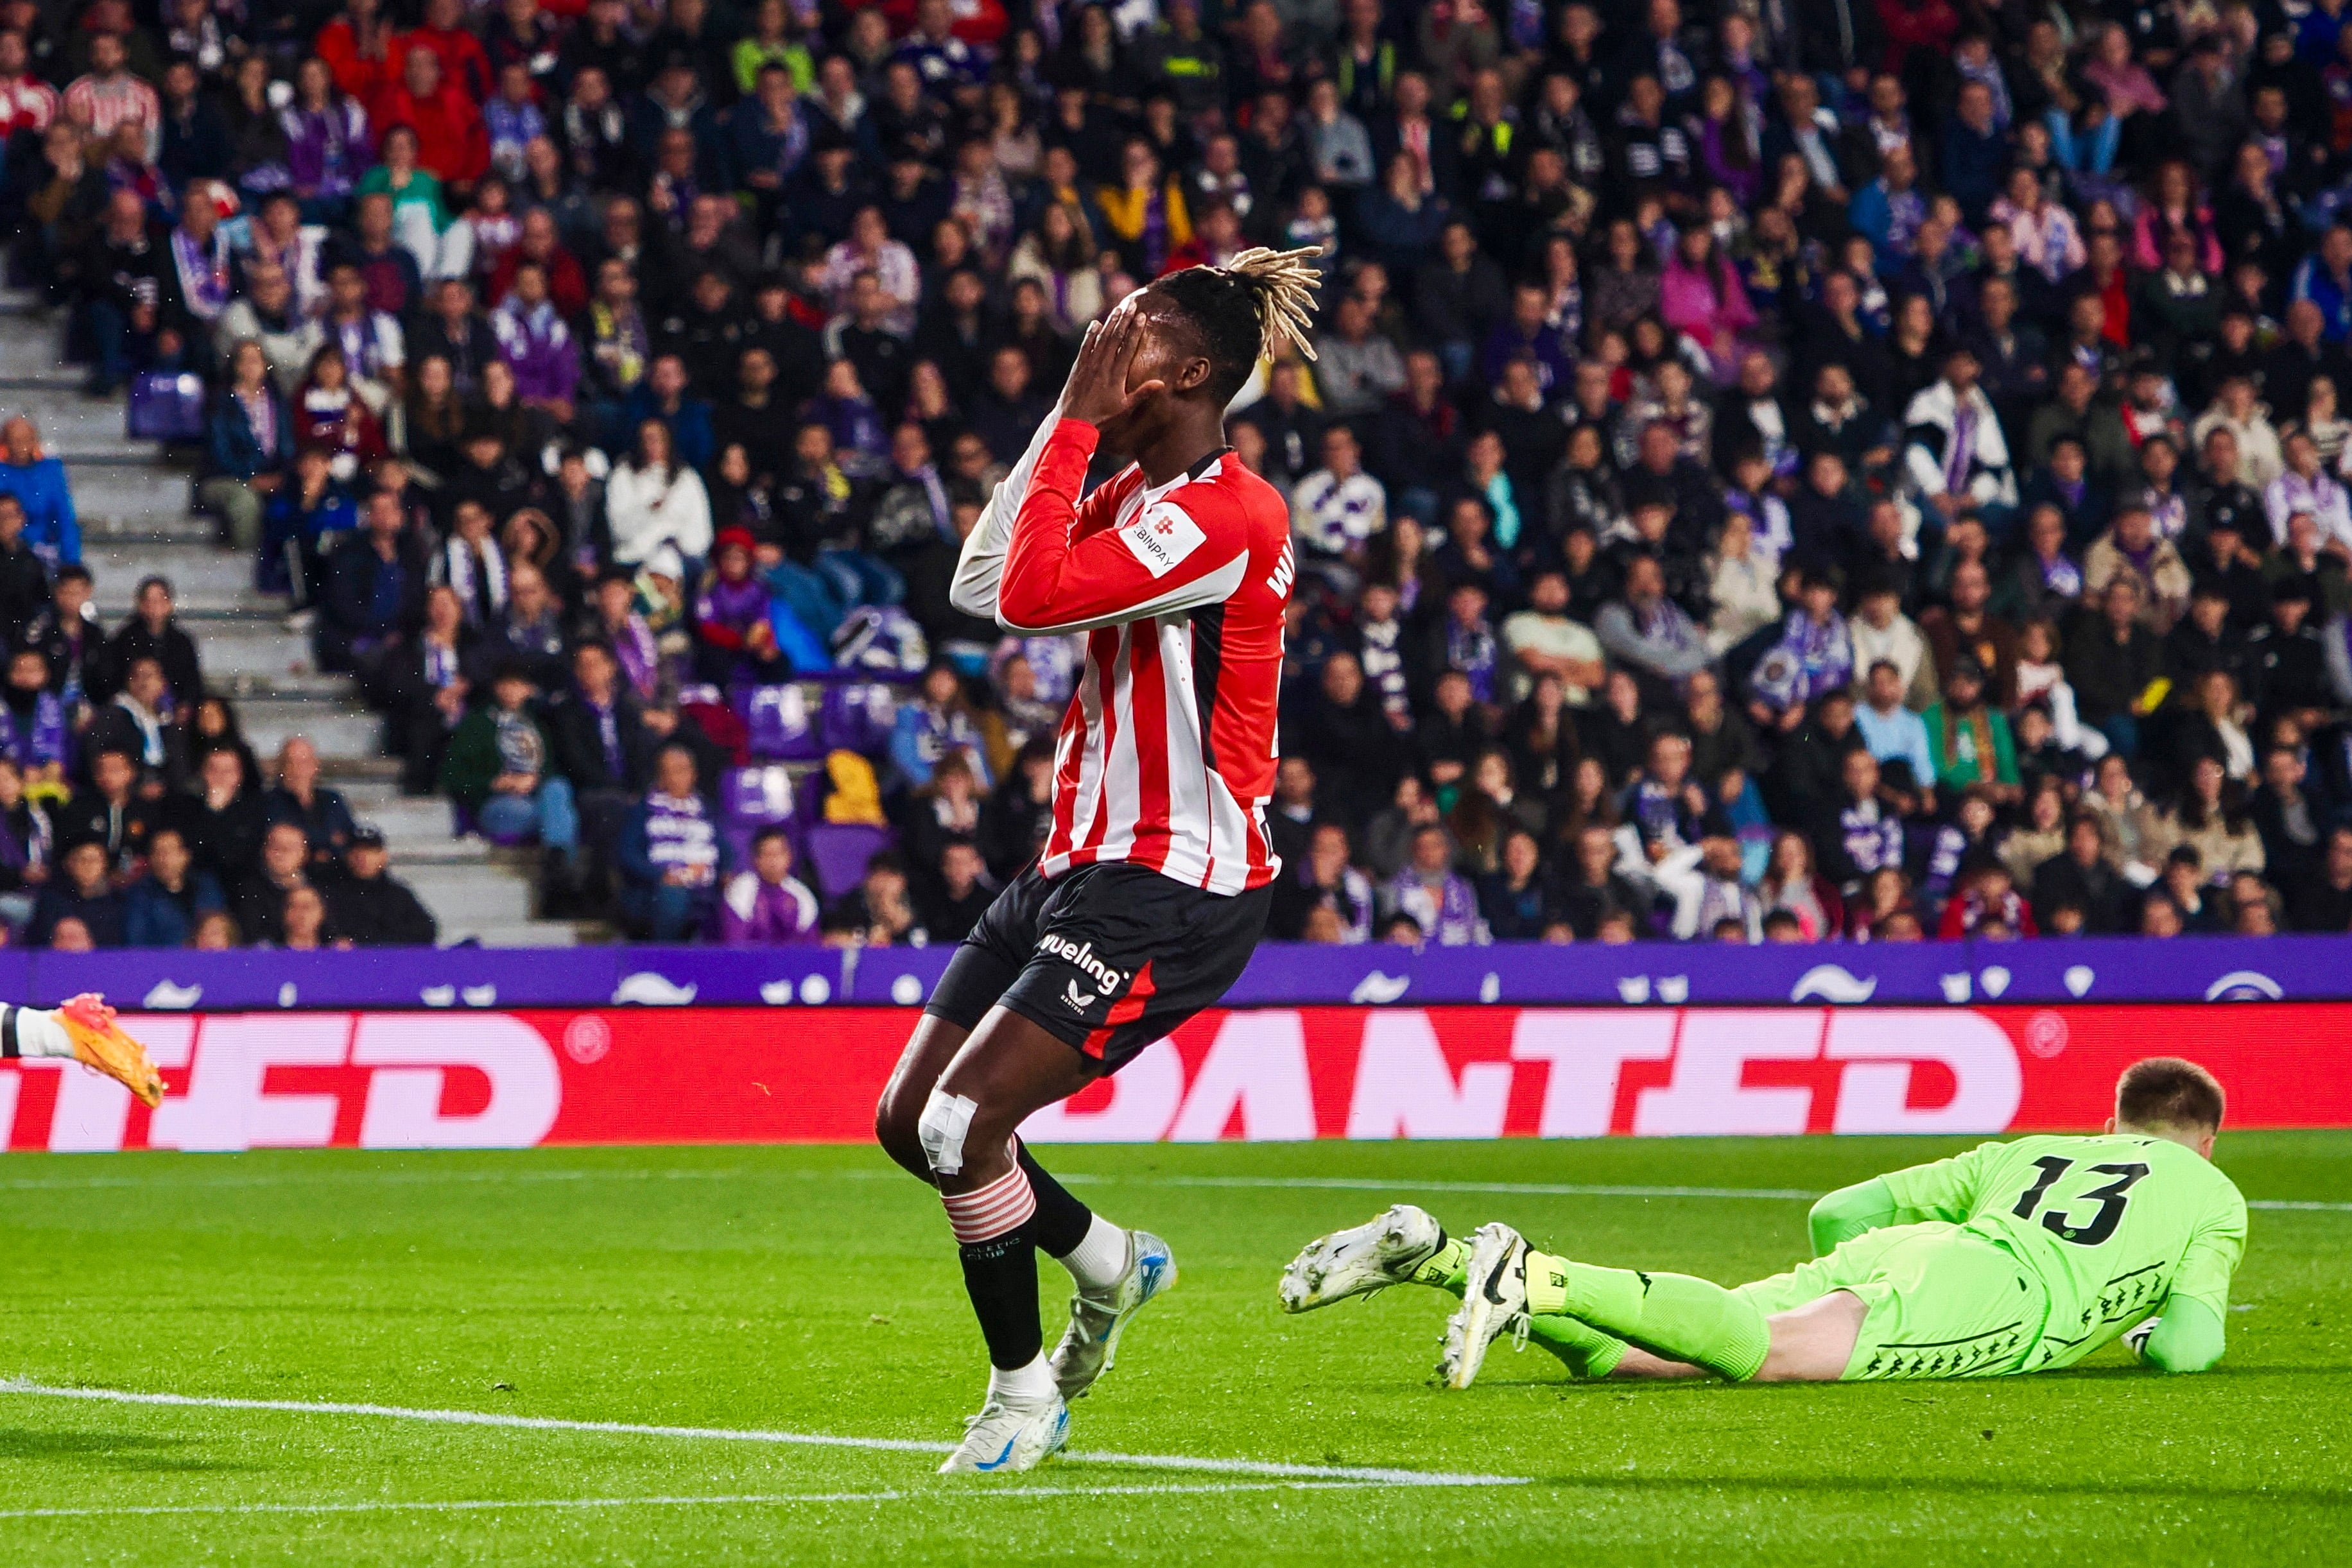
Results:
<point x="1849" y="1212"/>
<point x="1059" y="577"/>
<point x="2189" y="1334"/>
<point x="2186" y="1336"/>
<point x="1941" y="1190"/>
<point x="980" y="569"/>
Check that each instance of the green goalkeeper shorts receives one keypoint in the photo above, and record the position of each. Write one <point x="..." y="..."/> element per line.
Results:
<point x="1944" y="1301"/>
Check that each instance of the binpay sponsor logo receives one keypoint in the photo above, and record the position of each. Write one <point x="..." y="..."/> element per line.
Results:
<point x="1082" y="955"/>
<point x="1162" y="538"/>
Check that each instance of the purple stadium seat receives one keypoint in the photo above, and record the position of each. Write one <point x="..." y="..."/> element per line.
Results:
<point x="779" y="722"/>
<point x="838" y="852"/>
<point x="756" y="799"/>
<point x="857" y="717"/>
<point x="165" y="406"/>
<point x="463" y="824"/>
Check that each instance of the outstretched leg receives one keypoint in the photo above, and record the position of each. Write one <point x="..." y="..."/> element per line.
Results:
<point x="82" y="1031"/>
<point x="1407" y="1246"/>
<point x="1701" y="1324"/>
<point x="1677" y="1319"/>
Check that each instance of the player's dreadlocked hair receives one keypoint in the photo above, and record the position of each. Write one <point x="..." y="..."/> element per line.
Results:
<point x="1249" y="308"/>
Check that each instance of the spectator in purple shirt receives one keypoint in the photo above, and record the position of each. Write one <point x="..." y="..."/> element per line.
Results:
<point x="768" y="905"/>
<point x="1440" y="901"/>
<point x="536" y="344"/>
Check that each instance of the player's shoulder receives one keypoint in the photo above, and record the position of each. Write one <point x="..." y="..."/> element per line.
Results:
<point x="1225" y="505"/>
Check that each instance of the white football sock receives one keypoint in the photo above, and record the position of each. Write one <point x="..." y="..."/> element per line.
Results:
<point x="39" y="1034"/>
<point x="1099" y="1261"/>
<point x="1023" y="1385"/>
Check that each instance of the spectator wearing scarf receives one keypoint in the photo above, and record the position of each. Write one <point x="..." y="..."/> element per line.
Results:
<point x="766" y="904"/>
<point x="535" y="343"/>
<point x="1969" y="741"/>
<point x="671" y="856"/>
<point x="1813" y="656"/>
<point x="1441" y="904"/>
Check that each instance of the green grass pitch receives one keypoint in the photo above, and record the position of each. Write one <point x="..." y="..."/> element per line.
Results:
<point x="815" y="1291"/>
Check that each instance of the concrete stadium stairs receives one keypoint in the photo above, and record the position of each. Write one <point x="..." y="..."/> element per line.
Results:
<point x="133" y="501"/>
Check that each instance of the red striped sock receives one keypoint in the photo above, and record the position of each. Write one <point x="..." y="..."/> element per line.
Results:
<point x="986" y="1213"/>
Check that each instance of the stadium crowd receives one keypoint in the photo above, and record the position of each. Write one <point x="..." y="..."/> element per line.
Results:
<point x="1869" y="470"/>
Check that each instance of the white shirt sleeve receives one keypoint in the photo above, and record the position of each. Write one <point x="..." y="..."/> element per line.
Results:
<point x="980" y="569"/>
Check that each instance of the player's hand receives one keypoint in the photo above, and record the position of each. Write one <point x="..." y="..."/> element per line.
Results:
<point x="1097" y="391"/>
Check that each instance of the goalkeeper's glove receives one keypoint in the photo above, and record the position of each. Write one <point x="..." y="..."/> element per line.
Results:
<point x="2137" y="1336"/>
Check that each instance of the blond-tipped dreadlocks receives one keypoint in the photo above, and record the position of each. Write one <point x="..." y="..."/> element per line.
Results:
<point x="1284" y="286"/>
<point x="1258" y="304"/>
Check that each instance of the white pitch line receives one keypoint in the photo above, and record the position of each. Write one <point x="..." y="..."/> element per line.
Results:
<point x="750" y="1499"/>
<point x="1540" y="1189"/>
<point x="293" y="1178"/>
<point x="1073" y="1178"/>
<point x="1365" y="1474"/>
<point x="1409" y="1184"/>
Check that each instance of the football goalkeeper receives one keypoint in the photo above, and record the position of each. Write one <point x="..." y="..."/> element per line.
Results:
<point x="82" y="1031"/>
<point x="2016" y="1257"/>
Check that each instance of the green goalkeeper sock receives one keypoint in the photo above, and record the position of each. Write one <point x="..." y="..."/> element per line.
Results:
<point x="1586" y="1351"/>
<point x="1447" y="1268"/>
<point x="1675" y="1314"/>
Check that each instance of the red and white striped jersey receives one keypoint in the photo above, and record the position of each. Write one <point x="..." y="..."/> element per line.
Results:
<point x="102" y="103"/>
<point x="1166" y="756"/>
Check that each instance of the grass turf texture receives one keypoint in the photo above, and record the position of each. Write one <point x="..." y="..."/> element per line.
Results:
<point x="812" y="1290"/>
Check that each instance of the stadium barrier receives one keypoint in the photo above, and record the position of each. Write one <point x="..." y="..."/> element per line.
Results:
<point x="498" y="1078"/>
<point x="1647" y="974"/>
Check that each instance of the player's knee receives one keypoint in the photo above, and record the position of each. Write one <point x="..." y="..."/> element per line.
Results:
<point x="897" y="1124"/>
<point x="944" y="1129"/>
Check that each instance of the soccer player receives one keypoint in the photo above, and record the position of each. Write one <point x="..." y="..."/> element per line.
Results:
<point x="82" y="1031"/>
<point x="1155" y="879"/>
<point x="2011" y="1257"/>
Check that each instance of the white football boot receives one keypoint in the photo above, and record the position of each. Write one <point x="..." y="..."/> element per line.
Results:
<point x="1493" y="1302"/>
<point x="1005" y="1439"/>
<point x="1385" y="1251"/>
<point x="1089" y="1346"/>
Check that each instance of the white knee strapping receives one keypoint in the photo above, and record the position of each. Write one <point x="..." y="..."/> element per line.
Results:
<point x="946" y="1119"/>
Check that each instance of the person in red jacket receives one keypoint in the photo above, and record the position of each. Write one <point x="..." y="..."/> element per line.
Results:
<point x="540" y="242"/>
<point x="1991" y="895"/>
<point x="463" y="61"/>
<point x="451" y="139"/>
<point x="360" y="47"/>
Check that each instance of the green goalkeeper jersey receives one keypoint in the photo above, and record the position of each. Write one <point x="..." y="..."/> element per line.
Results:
<point x="2114" y="1225"/>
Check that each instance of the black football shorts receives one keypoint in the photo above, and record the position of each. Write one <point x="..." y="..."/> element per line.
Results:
<point x="1108" y="958"/>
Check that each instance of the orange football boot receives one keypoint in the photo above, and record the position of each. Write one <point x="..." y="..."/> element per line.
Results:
<point x="99" y="1042"/>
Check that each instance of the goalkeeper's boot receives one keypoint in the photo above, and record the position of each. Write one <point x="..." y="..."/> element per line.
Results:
<point x="99" y="1042"/>
<point x="1400" y="1246"/>
<point x="1493" y="1302"/>
<point x="1090" y="1345"/>
<point x="1004" y="1438"/>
